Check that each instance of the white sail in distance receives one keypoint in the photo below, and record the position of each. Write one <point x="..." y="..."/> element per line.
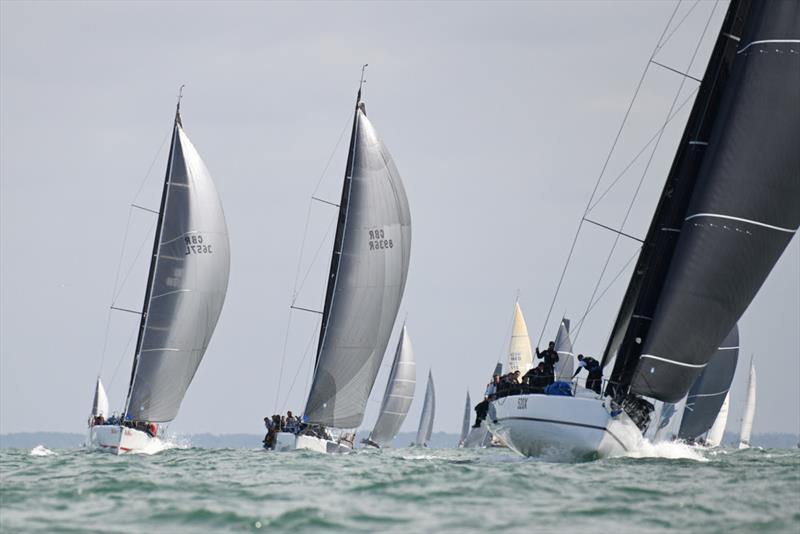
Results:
<point x="399" y="393"/>
<point x="717" y="430"/>
<point x="465" y="422"/>
<point x="100" y="403"/>
<point x="520" y="353"/>
<point x="186" y="288"/>
<point x="749" y="410"/>
<point x="428" y="412"/>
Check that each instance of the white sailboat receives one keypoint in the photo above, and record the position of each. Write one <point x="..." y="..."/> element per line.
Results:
<point x="185" y="291"/>
<point x="717" y="430"/>
<point x="749" y="409"/>
<point x="520" y="354"/>
<point x="465" y="426"/>
<point x="426" y="418"/>
<point x="398" y="396"/>
<point x="369" y="266"/>
<point x="685" y="294"/>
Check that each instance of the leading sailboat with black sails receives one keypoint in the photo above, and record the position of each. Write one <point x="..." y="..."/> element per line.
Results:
<point x="369" y="266"/>
<point x="729" y="208"/>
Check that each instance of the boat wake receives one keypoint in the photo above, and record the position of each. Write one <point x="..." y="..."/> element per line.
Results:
<point x="41" y="450"/>
<point x="671" y="450"/>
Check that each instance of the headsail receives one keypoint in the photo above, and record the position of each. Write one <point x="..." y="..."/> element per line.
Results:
<point x="399" y="393"/>
<point x="426" y="418"/>
<point x="368" y="273"/>
<point x="710" y="389"/>
<point x="730" y="206"/>
<point x="465" y="422"/>
<point x="520" y="354"/>
<point x="566" y="359"/>
<point x="186" y="287"/>
<point x="100" y="402"/>
<point x="717" y="430"/>
<point x="749" y="409"/>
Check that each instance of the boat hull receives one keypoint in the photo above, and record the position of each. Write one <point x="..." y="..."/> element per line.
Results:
<point x="121" y="440"/>
<point x="287" y="441"/>
<point x="562" y="427"/>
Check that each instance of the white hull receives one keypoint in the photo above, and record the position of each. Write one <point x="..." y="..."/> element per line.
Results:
<point x="286" y="441"/>
<point x="122" y="440"/>
<point x="557" y="427"/>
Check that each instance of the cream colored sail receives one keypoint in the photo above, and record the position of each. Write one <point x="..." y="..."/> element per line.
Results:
<point x="717" y="430"/>
<point x="749" y="410"/>
<point x="520" y="355"/>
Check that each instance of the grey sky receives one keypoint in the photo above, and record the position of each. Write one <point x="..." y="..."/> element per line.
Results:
<point x="499" y="117"/>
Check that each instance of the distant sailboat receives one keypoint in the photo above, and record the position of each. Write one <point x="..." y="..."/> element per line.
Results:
<point x="465" y="422"/>
<point x="749" y="409"/>
<point x="717" y="430"/>
<point x="398" y="396"/>
<point x="100" y="402"/>
<point x="520" y="354"/>
<point x="185" y="291"/>
<point x="369" y="266"/>
<point x="566" y="359"/>
<point x="426" y="418"/>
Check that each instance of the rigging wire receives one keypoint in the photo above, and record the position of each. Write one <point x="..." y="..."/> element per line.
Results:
<point x="605" y="165"/>
<point x="647" y="167"/>
<point x="300" y="367"/>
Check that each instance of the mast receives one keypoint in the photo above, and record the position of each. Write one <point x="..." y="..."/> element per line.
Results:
<point x="338" y="242"/>
<point x="647" y="282"/>
<point x="156" y="242"/>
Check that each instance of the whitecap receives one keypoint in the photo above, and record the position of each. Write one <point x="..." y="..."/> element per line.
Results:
<point x="671" y="450"/>
<point x="41" y="450"/>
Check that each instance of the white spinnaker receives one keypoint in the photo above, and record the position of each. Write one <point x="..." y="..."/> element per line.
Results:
<point x="399" y="392"/>
<point x="520" y="354"/>
<point x="428" y="411"/>
<point x="717" y="430"/>
<point x="190" y="280"/>
<point x="566" y="364"/>
<point x="100" y="403"/>
<point x="749" y="410"/>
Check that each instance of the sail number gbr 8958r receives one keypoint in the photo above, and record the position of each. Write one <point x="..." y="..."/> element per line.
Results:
<point x="194" y="245"/>
<point x="378" y="240"/>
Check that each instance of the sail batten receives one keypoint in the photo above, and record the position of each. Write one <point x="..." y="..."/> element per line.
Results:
<point x="399" y="393"/>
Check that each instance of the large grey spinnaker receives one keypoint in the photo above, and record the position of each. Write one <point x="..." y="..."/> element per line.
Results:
<point x="708" y="393"/>
<point x="186" y="287"/>
<point x="368" y="273"/>
<point x="465" y="422"/>
<point x="428" y="412"/>
<point x="399" y="393"/>
<point x="566" y="359"/>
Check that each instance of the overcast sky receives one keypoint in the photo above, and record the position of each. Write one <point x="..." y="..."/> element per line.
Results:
<point x="499" y="117"/>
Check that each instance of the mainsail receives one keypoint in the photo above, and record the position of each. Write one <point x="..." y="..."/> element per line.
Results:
<point x="729" y="208"/>
<point x="368" y="272"/>
<point x="100" y="402"/>
<point x="465" y="422"/>
<point x="399" y="393"/>
<point x="566" y="359"/>
<point x="520" y="354"/>
<point x="185" y="289"/>
<point x="428" y="412"/>
<point x="749" y="409"/>
<point x="717" y="430"/>
<point x="705" y="399"/>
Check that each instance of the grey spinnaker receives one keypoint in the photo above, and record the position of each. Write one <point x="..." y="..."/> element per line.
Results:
<point x="465" y="422"/>
<point x="744" y="210"/>
<point x="428" y="412"/>
<point x="708" y="393"/>
<point x="399" y="393"/>
<point x="187" y="286"/>
<point x="566" y="359"/>
<point x="368" y="274"/>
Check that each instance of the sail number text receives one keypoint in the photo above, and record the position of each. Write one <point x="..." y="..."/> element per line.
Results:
<point x="378" y="241"/>
<point x="194" y="245"/>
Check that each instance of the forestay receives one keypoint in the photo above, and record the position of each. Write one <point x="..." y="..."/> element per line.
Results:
<point x="399" y="392"/>
<point x="186" y="291"/>
<point x="367" y="278"/>
<point x="426" y="418"/>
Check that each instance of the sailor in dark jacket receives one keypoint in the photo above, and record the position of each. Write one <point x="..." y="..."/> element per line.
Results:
<point x="550" y="357"/>
<point x="594" y="369"/>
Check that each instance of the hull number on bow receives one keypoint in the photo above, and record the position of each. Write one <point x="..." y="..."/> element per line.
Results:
<point x="378" y="241"/>
<point x="194" y="245"/>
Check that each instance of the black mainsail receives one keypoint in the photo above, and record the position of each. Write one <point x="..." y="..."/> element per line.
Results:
<point x="729" y="208"/>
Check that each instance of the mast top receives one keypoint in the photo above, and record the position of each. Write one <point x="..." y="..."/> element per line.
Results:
<point x="178" y="106"/>
<point x="361" y="83"/>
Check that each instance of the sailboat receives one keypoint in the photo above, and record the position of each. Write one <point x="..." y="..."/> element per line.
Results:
<point x="729" y="208"/>
<point x="185" y="291"/>
<point x="369" y="266"/>
<point x="520" y="354"/>
<point x="100" y="410"/>
<point x="749" y="409"/>
<point x="566" y="359"/>
<point x="717" y="430"/>
<point x="398" y="396"/>
<point x="465" y="422"/>
<point x="426" y="418"/>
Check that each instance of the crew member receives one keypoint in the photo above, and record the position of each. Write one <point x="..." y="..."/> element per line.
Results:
<point x="592" y="366"/>
<point x="550" y="357"/>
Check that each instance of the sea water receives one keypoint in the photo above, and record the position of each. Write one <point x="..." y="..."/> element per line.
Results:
<point x="661" y="488"/>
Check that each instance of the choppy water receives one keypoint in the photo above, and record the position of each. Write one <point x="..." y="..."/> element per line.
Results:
<point x="669" y="488"/>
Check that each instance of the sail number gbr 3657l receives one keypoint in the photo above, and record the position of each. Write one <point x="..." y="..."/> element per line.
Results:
<point x="378" y="240"/>
<point x="194" y="245"/>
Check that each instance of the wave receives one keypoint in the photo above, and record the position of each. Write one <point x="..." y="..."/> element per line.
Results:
<point x="41" y="450"/>
<point x="671" y="450"/>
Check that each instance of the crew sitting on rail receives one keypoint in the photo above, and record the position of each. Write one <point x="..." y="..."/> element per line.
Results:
<point x="550" y="357"/>
<point x="592" y="366"/>
<point x="538" y="377"/>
